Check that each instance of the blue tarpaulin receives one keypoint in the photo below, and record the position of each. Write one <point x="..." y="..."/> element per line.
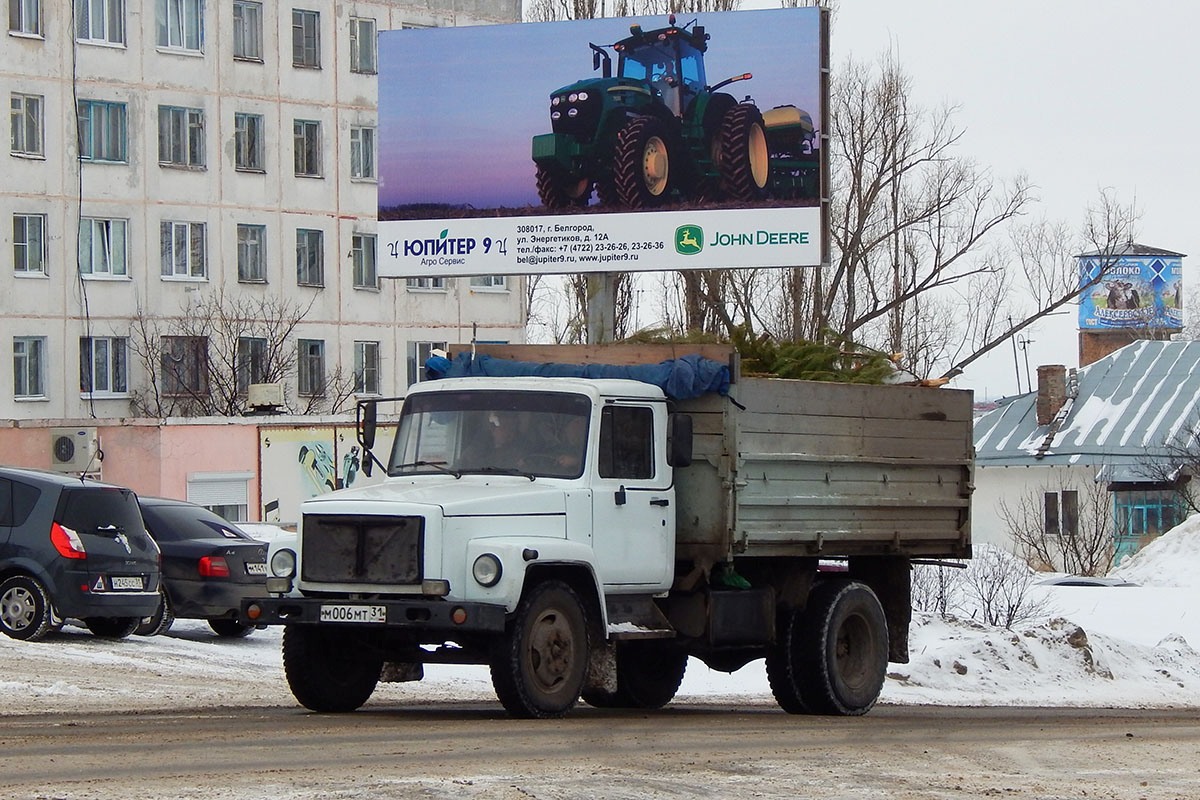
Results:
<point x="679" y="378"/>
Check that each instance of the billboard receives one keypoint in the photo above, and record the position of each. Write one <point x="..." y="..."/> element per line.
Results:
<point x="621" y="144"/>
<point x="1134" y="292"/>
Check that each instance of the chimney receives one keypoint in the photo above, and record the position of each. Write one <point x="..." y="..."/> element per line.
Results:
<point x="1052" y="392"/>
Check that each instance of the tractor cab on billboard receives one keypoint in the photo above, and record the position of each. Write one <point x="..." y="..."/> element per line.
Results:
<point x="670" y="60"/>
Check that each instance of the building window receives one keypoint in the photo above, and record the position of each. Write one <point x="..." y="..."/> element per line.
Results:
<point x="306" y="38"/>
<point x="362" y="153"/>
<point x="102" y="247"/>
<point x="180" y="24"/>
<point x="251" y="364"/>
<point x="252" y="253"/>
<point x="1142" y="514"/>
<point x="489" y="282"/>
<point x="366" y="367"/>
<point x="248" y="142"/>
<point x="184" y="365"/>
<point x="311" y="367"/>
<point x="182" y="245"/>
<point x="102" y="365"/>
<point x="101" y="21"/>
<point x="28" y="367"/>
<point x="25" y="16"/>
<point x="102" y="131"/>
<point x="27" y="138"/>
<point x="247" y="30"/>
<point x="363" y="249"/>
<point x="29" y="244"/>
<point x="181" y="136"/>
<point x="362" y="45"/>
<point x="626" y="442"/>
<point x="310" y="257"/>
<point x="307" y="136"/>
<point x="418" y="354"/>
<point x="427" y="284"/>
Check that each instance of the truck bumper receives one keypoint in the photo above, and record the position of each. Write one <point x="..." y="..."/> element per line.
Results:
<point x="415" y="615"/>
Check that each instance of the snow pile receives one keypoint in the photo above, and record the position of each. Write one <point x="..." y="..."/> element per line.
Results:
<point x="1172" y="559"/>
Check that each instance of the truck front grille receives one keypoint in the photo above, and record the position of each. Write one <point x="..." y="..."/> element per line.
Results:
<point x="362" y="549"/>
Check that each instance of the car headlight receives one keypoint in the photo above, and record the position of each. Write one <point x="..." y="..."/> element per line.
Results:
<point x="283" y="564"/>
<point x="486" y="570"/>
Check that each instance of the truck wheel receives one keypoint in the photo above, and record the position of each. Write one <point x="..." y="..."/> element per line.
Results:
<point x="781" y="663"/>
<point x="558" y="190"/>
<point x="744" y="159"/>
<point x="840" y="657"/>
<point x="539" y="667"/>
<point x="642" y="163"/>
<point x="25" y="610"/>
<point x="332" y="671"/>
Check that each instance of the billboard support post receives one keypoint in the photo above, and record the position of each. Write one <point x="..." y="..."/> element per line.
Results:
<point x="601" y="307"/>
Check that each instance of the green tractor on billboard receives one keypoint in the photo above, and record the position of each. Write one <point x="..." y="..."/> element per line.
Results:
<point x="656" y="132"/>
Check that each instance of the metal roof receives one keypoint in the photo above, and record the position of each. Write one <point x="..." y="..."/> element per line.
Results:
<point x="1127" y="406"/>
<point x="1134" y="249"/>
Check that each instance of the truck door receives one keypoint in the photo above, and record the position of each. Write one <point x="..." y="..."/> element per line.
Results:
<point x="633" y="504"/>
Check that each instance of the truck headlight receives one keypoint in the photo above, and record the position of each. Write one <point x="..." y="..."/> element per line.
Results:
<point x="283" y="564"/>
<point x="486" y="570"/>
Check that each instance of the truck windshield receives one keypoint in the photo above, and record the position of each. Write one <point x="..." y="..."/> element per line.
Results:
<point x="492" y="431"/>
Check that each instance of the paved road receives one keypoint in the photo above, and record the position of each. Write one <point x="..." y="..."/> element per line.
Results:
<point x="684" y="751"/>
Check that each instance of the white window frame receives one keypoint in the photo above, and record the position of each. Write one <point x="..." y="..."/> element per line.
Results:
<point x="100" y="21"/>
<point x="181" y="137"/>
<point x="27" y="125"/>
<point x="418" y="354"/>
<point x="306" y="137"/>
<point x="306" y="38"/>
<point x="247" y="30"/>
<point x="362" y="153"/>
<point x="310" y="367"/>
<point x="310" y="257"/>
<point x="179" y="25"/>
<point x="29" y="367"/>
<point x="363" y="252"/>
<point x="366" y="367"/>
<point x="29" y="244"/>
<point x="250" y="361"/>
<point x="103" y="132"/>
<point x="489" y="283"/>
<point x="103" y="247"/>
<point x="248" y="138"/>
<point x="183" y="251"/>
<point x="363" y="50"/>
<point x="251" y="253"/>
<point x="103" y="366"/>
<point x="25" y="17"/>
<point x="426" y="285"/>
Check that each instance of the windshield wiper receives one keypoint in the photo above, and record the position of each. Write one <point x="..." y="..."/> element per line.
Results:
<point x="440" y="466"/>
<point x="497" y="471"/>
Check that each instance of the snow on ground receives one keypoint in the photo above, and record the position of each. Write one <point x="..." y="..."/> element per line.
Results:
<point x="1124" y="647"/>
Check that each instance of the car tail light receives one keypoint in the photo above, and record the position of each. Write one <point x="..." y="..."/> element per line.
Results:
<point x="66" y="542"/>
<point x="214" y="567"/>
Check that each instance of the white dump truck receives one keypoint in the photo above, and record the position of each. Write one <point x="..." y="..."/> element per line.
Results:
<point x="585" y="536"/>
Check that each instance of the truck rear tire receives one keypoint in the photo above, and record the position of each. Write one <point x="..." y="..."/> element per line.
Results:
<point x="332" y="671"/>
<point x="648" y="676"/>
<point x="538" y="668"/>
<point x="745" y="162"/>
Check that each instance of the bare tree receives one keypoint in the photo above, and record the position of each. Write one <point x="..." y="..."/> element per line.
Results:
<point x="1073" y="536"/>
<point x="998" y="585"/>
<point x="1176" y="463"/>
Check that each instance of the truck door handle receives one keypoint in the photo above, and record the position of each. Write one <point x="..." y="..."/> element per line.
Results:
<point x="664" y="502"/>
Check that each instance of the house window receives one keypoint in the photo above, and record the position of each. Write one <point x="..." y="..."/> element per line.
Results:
<point x="180" y="24"/>
<point x="307" y="137"/>
<point x="366" y="367"/>
<point x="248" y="143"/>
<point x="103" y="364"/>
<point x="1142" y="514"/>
<point x="489" y="282"/>
<point x="100" y="21"/>
<point x="102" y="247"/>
<point x="28" y="367"/>
<point x="429" y="284"/>
<point x="311" y="367"/>
<point x="362" y="45"/>
<point x="252" y="253"/>
<point x="626" y="442"/>
<point x="310" y="257"/>
<point x="27" y="138"/>
<point x="25" y="16"/>
<point x="251" y="362"/>
<point x="418" y="354"/>
<point x="363" y="249"/>
<point x="29" y="244"/>
<point x="306" y="38"/>
<point x="184" y="365"/>
<point x="362" y="153"/>
<point x="181" y="136"/>
<point x="247" y="30"/>
<point x="102" y="131"/>
<point x="182" y="245"/>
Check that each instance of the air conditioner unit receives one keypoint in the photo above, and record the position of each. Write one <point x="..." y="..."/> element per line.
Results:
<point x="261" y="395"/>
<point x="74" y="450"/>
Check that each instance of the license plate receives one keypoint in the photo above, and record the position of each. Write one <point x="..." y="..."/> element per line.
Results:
<point x="126" y="582"/>
<point x="256" y="568"/>
<point x="353" y="613"/>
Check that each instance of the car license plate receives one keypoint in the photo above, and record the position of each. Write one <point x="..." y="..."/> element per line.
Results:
<point x="256" y="568"/>
<point x="341" y="613"/>
<point x="126" y="582"/>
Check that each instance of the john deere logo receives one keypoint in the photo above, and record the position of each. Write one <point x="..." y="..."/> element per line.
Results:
<point x="689" y="239"/>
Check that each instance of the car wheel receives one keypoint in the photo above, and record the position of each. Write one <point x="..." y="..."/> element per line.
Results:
<point x="112" y="627"/>
<point x="230" y="628"/>
<point x="25" y="609"/>
<point x="159" y="622"/>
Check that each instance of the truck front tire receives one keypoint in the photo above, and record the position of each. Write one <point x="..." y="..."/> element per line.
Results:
<point x="329" y="670"/>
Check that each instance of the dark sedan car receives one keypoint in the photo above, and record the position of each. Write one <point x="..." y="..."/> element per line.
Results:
<point x="208" y="566"/>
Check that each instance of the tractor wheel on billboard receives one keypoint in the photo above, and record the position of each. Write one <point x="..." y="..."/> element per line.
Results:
<point x="606" y="192"/>
<point x="744" y="159"/>
<point x="559" y="190"/>
<point x="642" y="163"/>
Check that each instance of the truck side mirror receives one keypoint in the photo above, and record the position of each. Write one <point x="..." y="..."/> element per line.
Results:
<point x="679" y="440"/>
<point x="365" y="422"/>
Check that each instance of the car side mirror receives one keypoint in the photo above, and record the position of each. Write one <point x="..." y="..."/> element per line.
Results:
<point x="679" y="440"/>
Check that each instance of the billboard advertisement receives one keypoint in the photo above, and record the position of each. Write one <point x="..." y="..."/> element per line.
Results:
<point x="1133" y="292"/>
<point x="620" y="144"/>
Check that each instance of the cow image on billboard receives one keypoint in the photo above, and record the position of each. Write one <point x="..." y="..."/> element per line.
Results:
<point x="1131" y="292"/>
<point x="620" y="144"/>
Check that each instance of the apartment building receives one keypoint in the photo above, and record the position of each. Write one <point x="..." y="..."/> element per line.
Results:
<point x="190" y="198"/>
